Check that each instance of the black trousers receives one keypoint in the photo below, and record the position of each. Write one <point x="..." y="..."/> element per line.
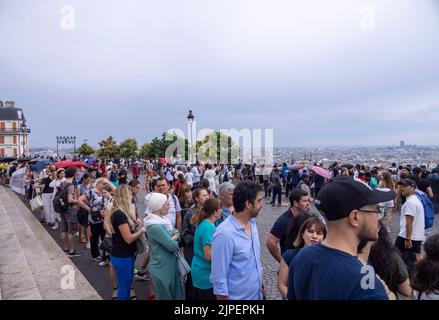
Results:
<point x="97" y="232"/>
<point x="289" y="188"/>
<point x="203" y="294"/>
<point x="277" y="192"/>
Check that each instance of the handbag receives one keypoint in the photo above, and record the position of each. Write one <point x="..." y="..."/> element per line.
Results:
<point x="36" y="203"/>
<point x="183" y="266"/>
<point x="107" y="244"/>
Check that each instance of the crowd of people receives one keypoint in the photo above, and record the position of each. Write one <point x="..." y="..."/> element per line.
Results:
<point x="204" y="216"/>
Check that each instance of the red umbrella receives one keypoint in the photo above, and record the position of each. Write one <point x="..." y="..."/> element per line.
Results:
<point x="69" y="163"/>
<point x="321" y="172"/>
<point x="164" y="160"/>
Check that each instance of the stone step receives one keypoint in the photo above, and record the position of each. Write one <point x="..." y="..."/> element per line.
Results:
<point x="16" y="280"/>
<point x="54" y="273"/>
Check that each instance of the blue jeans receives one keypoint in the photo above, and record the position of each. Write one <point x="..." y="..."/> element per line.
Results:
<point x="124" y="271"/>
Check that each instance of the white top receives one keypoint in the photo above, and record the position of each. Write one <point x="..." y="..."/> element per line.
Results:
<point x="413" y="207"/>
<point x="172" y="213"/>
<point x="189" y="176"/>
<point x="431" y="296"/>
<point x="210" y="175"/>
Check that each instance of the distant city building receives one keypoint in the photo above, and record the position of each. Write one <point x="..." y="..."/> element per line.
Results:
<point x="402" y="144"/>
<point x="13" y="131"/>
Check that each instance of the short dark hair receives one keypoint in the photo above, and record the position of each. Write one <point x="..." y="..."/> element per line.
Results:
<point x="161" y="179"/>
<point x="296" y="195"/>
<point x="205" y="183"/>
<point x="245" y="191"/>
<point x="134" y="183"/>
<point x="70" y="172"/>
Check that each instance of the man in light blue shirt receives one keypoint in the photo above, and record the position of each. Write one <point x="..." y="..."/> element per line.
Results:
<point x="236" y="264"/>
<point x="197" y="176"/>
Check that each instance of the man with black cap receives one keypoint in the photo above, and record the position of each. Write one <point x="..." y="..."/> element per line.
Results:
<point x="412" y="223"/>
<point x="331" y="270"/>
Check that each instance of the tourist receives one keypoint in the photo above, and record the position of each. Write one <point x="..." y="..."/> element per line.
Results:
<point x="412" y="224"/>
<point x="311" y="232"/>
<point x="204" y="222"/>
<point x="236" y="263"/>
<point x="174" y="214"/>
<point x="297" y="213"/>
<point x="277" y="188"/>
<point x="163" y="238"/>
<point x="226" y="201"/>
<point x="124" y="236"/>
<point x="425" y="278"/>
<point x="331" y="270"/>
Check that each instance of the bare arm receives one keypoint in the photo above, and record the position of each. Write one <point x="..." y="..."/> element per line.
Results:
<point x="207" y="250"/>
<point x="126" y="233"/>
<point x="272" y="245"/>
<point x="178" y="221"/>
<point x="430" y="193"/>
<point x="409" y="226"/>
<point x="282" y="283"/>
<point x="405" y="289"/>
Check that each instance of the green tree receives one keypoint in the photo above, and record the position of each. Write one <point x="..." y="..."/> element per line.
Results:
<point x="86" y="150"/>
<point x="146" y="152"/>
<point x="158" y="146"/>
<point x="217" y="146"/>
<point x="128" y="148"/>
<point x="109" y="148"/>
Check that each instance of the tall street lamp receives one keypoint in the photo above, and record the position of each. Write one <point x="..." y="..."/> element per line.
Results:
<point x="190" y="120"/>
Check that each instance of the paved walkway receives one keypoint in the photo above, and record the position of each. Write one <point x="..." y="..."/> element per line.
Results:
<point x="32" y="264"/>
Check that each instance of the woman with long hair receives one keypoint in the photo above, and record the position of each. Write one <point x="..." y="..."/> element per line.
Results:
<point x="200" y="196"/>
<point x="124" y="237"/>
<point x="425" y="279"/>
<point x="386" y="184"/>
<point x="312" y="231"/>
<point x="204" y="221"/>
<point x="47" y="195"/>
<point x="387" y="262"/>
<point x="163" y="238"/>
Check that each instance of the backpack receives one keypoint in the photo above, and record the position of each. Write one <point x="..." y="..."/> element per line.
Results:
<point x="95" y="216"/>
<point x="60" y="204"/>
<point x="226" y="177"/>
<point x="428" y="208"/>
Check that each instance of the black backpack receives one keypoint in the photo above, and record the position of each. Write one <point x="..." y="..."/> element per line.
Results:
<point x="60" y="203"/>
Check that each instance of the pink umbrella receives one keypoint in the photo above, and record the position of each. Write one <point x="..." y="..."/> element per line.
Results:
<point x="321" y="172"/>
<point x="298" y="167"/>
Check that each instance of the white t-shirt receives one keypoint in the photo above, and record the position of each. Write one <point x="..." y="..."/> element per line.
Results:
<point x="413" y="207"/>
<point x="189" y="176"/>
<point x="172" y="213"/>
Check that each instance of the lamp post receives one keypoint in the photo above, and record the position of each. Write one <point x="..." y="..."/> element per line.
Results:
<point x="190" y="120"/>
<point x="23" y="130"/>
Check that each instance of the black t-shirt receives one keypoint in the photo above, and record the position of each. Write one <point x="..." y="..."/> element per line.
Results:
<point x="46" y="182"/>
<point x="121" y="249"/>
<point x="280" y="228"/>
<point x="122" y="177"/>
<point x="423" y="185"/>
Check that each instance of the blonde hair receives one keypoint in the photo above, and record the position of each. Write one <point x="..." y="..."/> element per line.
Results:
<point x="121" y="202"/>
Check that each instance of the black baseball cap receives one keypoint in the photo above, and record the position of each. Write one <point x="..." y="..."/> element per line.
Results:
<point x="343" y="194"/>
<point x="407" y="182"/>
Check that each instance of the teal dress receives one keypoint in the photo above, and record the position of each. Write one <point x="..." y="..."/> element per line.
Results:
<point x="163" y="265"/>
<point x="201" y="268"/>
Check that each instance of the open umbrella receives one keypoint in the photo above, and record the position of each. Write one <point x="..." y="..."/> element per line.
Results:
<point x="91" y="160"/>
<point x="69" y="163"/>
<point x="40" y="165"/>
<point x="321" y="172"/>
<point x="164" y="160"/>
<point x="298" y="167"/>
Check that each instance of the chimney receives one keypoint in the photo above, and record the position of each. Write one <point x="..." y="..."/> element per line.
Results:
<point x="9" y="104"/>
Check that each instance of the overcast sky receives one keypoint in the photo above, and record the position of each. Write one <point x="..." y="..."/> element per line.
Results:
<point x="341" y="72"/>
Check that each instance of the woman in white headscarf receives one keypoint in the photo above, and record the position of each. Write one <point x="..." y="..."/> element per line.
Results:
<point x="163" y="239"/>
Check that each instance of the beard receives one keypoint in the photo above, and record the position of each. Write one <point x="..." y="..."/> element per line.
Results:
<point x="367" y="234"/>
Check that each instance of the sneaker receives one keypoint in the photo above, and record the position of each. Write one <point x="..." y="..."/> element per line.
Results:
<point x="104" y="263"/>
<point x="76" y="234"/>
<point x="98" y="259"/>
<point x="55" y="226"/>
<point x="73" y="254"/>
<point x="87" y="246"/>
